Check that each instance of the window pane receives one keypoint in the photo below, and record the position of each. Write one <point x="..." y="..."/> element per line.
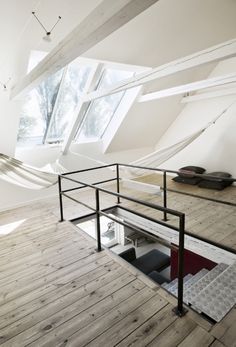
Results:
<point x="68" y="98"/>
<point x="102" y="110"/>
<point x="37" y="111"/>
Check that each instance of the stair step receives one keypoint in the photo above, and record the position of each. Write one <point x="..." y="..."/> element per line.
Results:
<point x="195" y="278"/>
<point x="196" y="288"/>
<point x="192" y="280"/>
<point x="167" y="286"/>
<point x="219" y="296"/>
<point x="164" y="285"/>
<point x="174" y="288"/>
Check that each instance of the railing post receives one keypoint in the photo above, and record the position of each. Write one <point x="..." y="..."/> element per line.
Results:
<point x="98" y="226"/>
<point x="60" y="198"/>
<point x="164" y="196"/>
<point x="118" y="182"/>
<point x="180" y="310"/>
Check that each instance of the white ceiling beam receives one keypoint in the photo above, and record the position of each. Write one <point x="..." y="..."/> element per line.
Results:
<point x="189" y="87"/>
<point x="224" y="50"/>
<point x="101" y="22"/>
<point x="81" y="107"/>
<point x="209" y="95"/>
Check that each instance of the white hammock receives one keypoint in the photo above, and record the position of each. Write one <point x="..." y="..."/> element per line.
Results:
<point x="16" y="172"/>
<point x="158" y="157"/>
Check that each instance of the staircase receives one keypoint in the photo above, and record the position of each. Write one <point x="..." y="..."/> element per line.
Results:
<point x="212" y="293"/>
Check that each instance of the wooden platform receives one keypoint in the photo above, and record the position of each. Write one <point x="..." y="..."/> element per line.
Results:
<point x="57" y="291"/>
<point x="227" y="195"/>
<point x="211" y="220"/>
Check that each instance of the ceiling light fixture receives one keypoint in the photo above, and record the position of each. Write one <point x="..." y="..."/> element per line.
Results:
<point x="47" y="37"/>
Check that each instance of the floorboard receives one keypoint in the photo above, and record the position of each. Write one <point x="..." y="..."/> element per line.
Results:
<point x="56" y="290"/>
<point x="225" y="331"/>
<point x="174" y="334"/>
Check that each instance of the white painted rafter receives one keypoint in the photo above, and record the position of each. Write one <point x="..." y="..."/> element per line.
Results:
<point x="106" y="18"/>
<point x="208" y="95"/>
<point x="189" y="87"/>
<point x="224" y="50"/>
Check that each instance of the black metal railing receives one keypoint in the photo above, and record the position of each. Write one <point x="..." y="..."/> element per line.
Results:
<point x="165" y="190"/>
<point x="180" y="310"/>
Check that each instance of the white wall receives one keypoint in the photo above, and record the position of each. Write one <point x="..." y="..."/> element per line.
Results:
<point x="9" y="118"/>
<point x="38" y="156"/>
<point x="95" y="151"/>
<point x="215" y="148"/>
<point x="13" y="196"/>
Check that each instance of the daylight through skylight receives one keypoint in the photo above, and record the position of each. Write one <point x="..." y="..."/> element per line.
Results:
<point x="50" y="108"/>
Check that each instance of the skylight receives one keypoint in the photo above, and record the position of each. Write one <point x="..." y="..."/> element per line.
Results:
<point x="74" y="81"/>
<point x="50" y="108"/>
<point x="37" y="111"/>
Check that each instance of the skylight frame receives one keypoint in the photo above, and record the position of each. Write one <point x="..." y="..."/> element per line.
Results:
<point x="79" y="129"/>
<point x="47" y="131"/>
<point x="82" y="63"/>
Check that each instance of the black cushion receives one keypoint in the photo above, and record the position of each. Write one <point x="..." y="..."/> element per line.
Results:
<point x="187" y="180"/>
<point x="157" y="277"/>
<point x="188" y="171"/>
<point x="219" y="176"/>
<point x="218" y="183"/>
<point x="153" y="260"/>
<point x="212" y="185"/>
<point x="128" y="255"/>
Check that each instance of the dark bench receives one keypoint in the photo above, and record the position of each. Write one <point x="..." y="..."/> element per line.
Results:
<point x="154" y="260"/>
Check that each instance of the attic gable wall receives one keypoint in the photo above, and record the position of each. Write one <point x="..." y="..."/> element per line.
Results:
<point x="215" y="148"/>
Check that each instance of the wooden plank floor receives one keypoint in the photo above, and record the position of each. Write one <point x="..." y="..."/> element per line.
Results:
<point x="55" y="290"/>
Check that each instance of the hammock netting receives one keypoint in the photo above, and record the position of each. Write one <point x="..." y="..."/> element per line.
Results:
<point x="16" y="172"/>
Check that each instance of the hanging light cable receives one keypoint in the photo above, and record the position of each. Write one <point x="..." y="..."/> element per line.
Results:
<point x="17" y="40"/>
<point x="47" y="37"/>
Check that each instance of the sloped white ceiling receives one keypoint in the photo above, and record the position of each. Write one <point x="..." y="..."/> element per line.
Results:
<point x="168" y="30"/>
